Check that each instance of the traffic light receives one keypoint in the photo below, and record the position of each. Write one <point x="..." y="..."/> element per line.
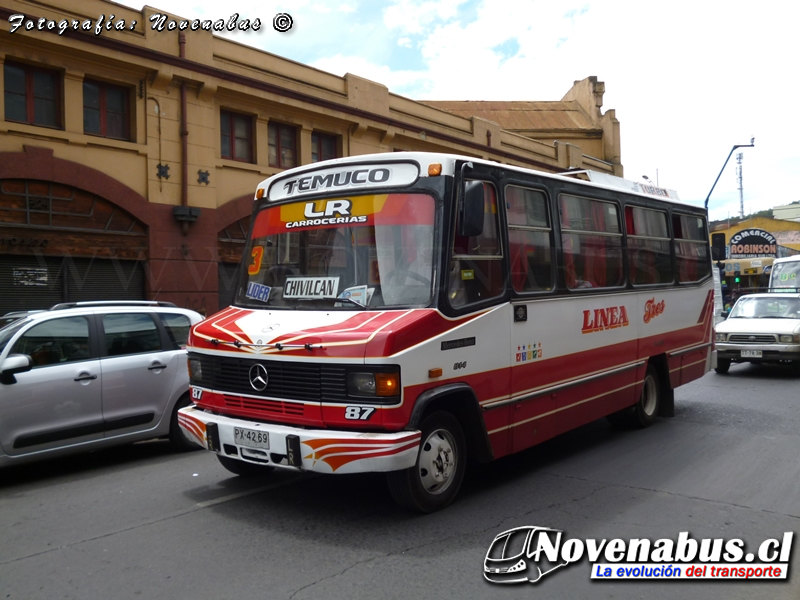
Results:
<point x="736" y="276"/>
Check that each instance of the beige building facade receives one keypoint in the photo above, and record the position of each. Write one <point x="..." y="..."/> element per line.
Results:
<point x="130" y="146"/>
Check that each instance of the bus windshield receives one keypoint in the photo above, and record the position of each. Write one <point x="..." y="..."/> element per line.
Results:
<point x="371" y="251"/>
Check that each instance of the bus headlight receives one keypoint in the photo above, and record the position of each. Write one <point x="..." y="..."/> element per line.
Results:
<point x="372" y="384"/>
<point x="195" y="370"/>
<point x="719" y="337"/>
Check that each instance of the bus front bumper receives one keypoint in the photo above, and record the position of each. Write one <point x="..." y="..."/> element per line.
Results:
<point x="298" y="449"/>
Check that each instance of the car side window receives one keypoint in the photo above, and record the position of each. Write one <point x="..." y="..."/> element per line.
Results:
<point x="130" y="333"/>
<point x="177" y="327"/>
<point x="55" y="341"/>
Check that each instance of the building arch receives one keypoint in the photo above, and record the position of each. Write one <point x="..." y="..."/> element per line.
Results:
<point x="39" y="163"/>
<point x="67" y="233"/>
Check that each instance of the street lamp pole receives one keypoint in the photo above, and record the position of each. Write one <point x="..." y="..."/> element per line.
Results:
<point x="750" y="145"/>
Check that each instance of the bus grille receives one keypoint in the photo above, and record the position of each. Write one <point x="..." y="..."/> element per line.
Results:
<point x="309" y="382"/>
<point x="270" y="407"/>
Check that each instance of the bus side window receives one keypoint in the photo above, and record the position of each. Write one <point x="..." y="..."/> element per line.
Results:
<point x="592" y="241"/>
<point x="476" y="268"/>
<point x="691" y="247"/>
<point x="529" y="239"/>
<point x="648" y="246"/>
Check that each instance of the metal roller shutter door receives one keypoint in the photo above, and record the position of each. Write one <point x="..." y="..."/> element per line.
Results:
<point x="29" y="282"/>
<point x="102" y="279"/>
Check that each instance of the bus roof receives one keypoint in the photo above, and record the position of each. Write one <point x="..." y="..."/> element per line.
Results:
<point x="291" y="177"/>
<point x="783" y="259"/>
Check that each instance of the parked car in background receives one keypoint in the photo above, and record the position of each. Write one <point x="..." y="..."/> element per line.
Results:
<point x="88" y="375"/>
<point x="760" y="328"/>
<point x="9" y="318"/>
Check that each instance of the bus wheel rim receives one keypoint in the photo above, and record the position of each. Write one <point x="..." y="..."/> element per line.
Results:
<point x="437" y="461"/>
<point x="649" y="396"/>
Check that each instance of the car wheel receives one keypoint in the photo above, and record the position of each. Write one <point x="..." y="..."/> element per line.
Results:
<point x="244" y="469"/>
<point x="433" y="482"/>
<point x="723" y="364"/>
<point x="176" y="436"/>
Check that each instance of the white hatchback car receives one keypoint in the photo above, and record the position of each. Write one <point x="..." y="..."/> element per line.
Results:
<point x="87" y="375"/>
<point x="760" y="328"/>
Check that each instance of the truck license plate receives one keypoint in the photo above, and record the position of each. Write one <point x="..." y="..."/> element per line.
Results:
<point x="251" y="438"/>
<point x="751" y="353"/>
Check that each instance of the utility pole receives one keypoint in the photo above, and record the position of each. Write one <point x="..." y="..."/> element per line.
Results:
<point x="739" y="158"/>
<point x="750" y="145"/>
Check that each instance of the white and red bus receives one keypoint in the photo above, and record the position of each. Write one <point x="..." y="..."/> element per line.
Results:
<point x="404" y="312"/>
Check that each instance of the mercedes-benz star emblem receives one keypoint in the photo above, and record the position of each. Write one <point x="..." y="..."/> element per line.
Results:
<point x="258" y="377"/>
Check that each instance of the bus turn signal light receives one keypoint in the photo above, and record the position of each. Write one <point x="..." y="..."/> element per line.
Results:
<point x="387" y="384"/>
<point x="434" y="169"/>
<point x="433" y="373"/>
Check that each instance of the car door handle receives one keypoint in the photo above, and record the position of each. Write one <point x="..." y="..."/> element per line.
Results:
<point x="156" y="366"/>
<point x="85" y="377"/>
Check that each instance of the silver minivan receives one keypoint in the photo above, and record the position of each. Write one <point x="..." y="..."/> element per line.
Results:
<point x="87" y="375"/>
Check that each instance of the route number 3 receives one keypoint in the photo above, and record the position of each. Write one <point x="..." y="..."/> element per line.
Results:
<point x="358" y="413"/>
<point x="257" y="254"/>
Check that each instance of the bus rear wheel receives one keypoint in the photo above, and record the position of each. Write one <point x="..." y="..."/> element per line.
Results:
<point x="433" y="482"/>
<point x="645" y="411"/>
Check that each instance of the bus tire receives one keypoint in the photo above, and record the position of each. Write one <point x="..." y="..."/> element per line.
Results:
<point x="723" y="364"/>
<point x="645" y="411"/>
<point x="244" y="469"/>
<point x="433" y="482"/>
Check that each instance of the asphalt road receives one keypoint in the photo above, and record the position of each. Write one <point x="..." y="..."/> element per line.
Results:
<point x="143" y="522"/>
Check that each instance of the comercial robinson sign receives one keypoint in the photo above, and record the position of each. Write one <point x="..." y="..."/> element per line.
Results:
<point x="753" y="243"/>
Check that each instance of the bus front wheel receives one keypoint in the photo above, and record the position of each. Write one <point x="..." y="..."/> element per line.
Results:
<point x="433" y="482"/>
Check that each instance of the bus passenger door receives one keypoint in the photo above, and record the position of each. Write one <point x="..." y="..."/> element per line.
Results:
<point x="534" y="418"/>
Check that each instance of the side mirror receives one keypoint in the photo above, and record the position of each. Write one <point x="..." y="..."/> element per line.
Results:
<point x="724" y="314"/>
<point x="471" y="209"/>
<point x="13" y="364"/>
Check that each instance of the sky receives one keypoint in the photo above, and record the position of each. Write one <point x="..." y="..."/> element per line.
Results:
<point x="687" y="80"/>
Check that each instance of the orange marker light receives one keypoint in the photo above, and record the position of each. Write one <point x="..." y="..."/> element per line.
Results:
<point x="259" y="193"/>
<point x="387" y="384"/>
<point x="433" y="373"/>
<point x="434" y="169"/>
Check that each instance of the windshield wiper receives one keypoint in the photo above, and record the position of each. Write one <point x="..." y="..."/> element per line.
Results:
<point x="350" y="300"/>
